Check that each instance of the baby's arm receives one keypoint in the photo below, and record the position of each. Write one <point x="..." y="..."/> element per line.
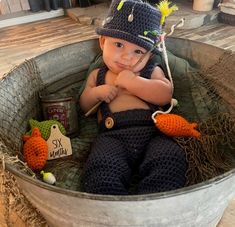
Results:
<point x="157" y="90"/>
<point x="93" y="94"/>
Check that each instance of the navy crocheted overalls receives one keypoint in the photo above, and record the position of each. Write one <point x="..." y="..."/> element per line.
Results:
<point x="129" y="142"/>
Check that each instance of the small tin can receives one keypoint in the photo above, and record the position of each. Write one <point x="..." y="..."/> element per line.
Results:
<point x="61" y="107"/>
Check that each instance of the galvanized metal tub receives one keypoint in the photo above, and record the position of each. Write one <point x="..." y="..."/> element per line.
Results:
<point x="198" y="205"/>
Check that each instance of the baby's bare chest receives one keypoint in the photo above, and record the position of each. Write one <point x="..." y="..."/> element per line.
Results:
<point x="124" y="100"/>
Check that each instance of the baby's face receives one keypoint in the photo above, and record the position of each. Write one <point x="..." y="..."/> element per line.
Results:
<point x="120" y="55"/>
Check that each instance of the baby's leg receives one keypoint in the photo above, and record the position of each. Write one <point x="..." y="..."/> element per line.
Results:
<point x="107" y="171"/>
<point x="164" y="166"/>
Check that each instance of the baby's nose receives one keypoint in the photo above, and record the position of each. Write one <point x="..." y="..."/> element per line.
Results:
<point x="127" y="56"/>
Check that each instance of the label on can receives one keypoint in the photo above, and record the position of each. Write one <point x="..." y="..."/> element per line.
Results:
<point x="62" y="109"/>
<point x="59" y="113"/>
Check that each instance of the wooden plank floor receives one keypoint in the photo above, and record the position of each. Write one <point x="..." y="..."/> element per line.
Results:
<point x="216" y="34"/>
<point x="25" y="41"/>
<point x="18" y="43"/>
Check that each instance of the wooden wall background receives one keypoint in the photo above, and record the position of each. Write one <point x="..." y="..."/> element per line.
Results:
<point x="11" y="6"/>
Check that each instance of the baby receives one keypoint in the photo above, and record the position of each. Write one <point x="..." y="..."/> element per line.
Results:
<point x="130" y="92"/>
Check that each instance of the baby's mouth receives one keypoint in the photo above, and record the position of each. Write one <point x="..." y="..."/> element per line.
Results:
<point x="122" y="66"/>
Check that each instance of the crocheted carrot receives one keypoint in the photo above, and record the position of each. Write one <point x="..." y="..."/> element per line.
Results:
<point x="176" y="126"/>
<point x="35" y="150"/>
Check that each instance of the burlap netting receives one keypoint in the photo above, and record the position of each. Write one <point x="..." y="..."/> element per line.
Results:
<point x="206" y="96"/>
<point x="212" y="105"/>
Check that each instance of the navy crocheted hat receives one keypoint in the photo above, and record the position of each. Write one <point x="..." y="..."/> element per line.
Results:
<point x="134" y="21"/>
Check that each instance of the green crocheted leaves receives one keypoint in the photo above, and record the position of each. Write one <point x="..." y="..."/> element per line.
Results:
<point x="45" y="127"/>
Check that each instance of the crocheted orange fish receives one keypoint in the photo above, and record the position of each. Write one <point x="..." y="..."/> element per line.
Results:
<point x="35" y="150"/>
<point x="176" y="126"/>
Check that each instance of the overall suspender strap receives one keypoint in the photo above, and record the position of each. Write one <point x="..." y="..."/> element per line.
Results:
<point x="104" y="108"/>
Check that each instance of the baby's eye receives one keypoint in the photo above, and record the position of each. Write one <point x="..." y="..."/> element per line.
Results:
<point x="139" y="52"/>
<point x="119" y="45"/>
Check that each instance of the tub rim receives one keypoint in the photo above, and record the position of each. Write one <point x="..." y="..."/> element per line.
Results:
<point x="142" y="197"/>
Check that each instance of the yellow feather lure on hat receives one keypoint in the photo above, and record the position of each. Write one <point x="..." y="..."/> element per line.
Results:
<point x="165" y="9"/>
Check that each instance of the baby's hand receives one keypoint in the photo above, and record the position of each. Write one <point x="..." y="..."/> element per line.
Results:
<point x="107" y="92"/>
<point x="124" y="78"/>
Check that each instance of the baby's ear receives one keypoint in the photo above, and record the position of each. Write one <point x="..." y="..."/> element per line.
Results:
<point x="101" y="41"/>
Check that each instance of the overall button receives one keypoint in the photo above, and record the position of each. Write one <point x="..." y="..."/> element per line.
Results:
<point x="109" y="122"/>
